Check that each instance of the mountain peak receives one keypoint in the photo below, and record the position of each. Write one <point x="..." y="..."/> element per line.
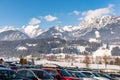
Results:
<point x="57" y="28"/>
<point x="32" y="30"/>
<point x="7" y="28"/>
<point x="98" y="22"/>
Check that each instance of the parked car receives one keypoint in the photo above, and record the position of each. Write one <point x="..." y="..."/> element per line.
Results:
<point x="106" y="76"/>
<point x="14" y="68"/>
<point x="80" y="75"/>
<point x="60" y="74"/>
<point x="8" y="74"/>
<point x="2" y="66"/>
<point x="35" y="74"/>
<point x="94" y="75"/>
<point x="116" y="76"/>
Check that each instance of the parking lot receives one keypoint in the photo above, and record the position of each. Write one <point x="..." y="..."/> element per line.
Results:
<point x="54" y="72"/>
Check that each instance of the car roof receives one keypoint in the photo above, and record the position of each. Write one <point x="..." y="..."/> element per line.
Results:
<point x="1" y="68"/>
<point x="85" y="71"/>
<point x="51" y="68"/>
<point x="30" y="69"/>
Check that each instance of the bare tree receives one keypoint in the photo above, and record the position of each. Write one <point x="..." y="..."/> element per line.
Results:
<point x="23" y="61"/>
<point x="1" y="61"/>
<point x="67" y="57"/>
<point x="105" y="58"/>
<point x="117" y="61"/>
<point x="86" y="59"/>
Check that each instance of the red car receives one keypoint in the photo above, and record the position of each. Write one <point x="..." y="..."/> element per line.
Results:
<point x="60" y="74"/>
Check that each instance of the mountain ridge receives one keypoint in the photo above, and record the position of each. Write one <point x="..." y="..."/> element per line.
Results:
<point x="102" y="28"/>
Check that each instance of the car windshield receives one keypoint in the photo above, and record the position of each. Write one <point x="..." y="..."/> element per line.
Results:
<point x="104" y="75"/>
<point x="64" y="73"/>
<point x="80" y="74"/>
<point x="42" y="74"/>
<point x="96" y="74"/>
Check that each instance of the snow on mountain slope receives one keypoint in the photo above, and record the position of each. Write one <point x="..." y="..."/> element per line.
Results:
<point x="7" y="28"/>
<point x="57" y="28"/>
<point x="32" y="30"/>
<point x="11" y="35"/>
<point x="98" y="22"/>
<point x="68" y="28"/>
<point x="105" y="27"/>
<point x="56" y="32"/>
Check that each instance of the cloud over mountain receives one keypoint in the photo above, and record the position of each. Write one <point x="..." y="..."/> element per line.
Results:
<point x="50" y="18"/>
<point x="34" y="21"/>
<point x="90" y="14"/>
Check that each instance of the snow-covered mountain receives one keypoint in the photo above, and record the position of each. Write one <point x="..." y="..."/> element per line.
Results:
<point x="56" y="32"/>
<point x="32" y="30"/>
<point x="11" y="35"/>
<point x="107" y="28"/>
<point x="103" y="28"/>
<point x="7" y="28"/>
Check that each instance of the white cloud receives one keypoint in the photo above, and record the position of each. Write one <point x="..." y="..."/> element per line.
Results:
<point x="98" y="12"/>
<point x="34" y="21"/>
<point x="50" y="18"/>
<point x="76" y="12"/>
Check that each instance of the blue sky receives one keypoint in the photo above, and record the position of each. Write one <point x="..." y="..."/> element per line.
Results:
<point x="48" y="13"/>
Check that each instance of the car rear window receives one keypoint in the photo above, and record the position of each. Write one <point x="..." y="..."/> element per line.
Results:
<point x="42" y="74"/>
